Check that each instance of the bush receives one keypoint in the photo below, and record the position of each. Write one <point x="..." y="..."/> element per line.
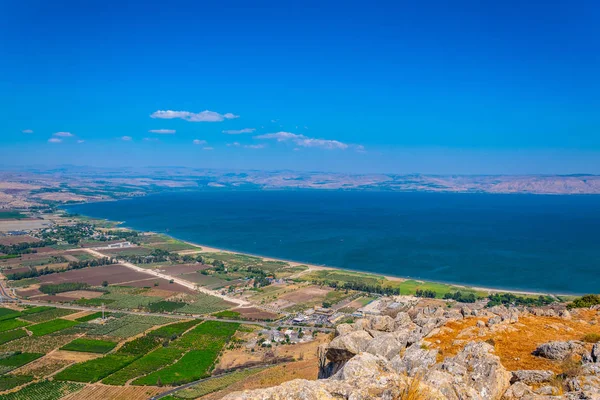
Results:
<point x="586" y="301"/>
<point x="509" y="299"/>
<point x="427" y="293"/>
<point x="461" y="297"/>
<point x="591" y="338"/>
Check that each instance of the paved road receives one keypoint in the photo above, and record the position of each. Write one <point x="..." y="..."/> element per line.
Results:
<point x="179" y="281"/>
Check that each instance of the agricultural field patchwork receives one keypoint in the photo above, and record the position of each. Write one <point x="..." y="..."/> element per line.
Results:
<point x="90" y="346"/>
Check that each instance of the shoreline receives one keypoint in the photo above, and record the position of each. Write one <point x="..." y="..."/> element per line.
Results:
<point x="314" y="267"/>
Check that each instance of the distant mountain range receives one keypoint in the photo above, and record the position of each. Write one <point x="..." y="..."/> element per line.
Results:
<point x="25" y="187"/>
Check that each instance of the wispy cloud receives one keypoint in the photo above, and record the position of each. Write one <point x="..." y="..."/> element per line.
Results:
<point x="305" y="141"/>
<point x="54" y="140"/>
<point x="208" y="148"/>
<point x="26" y="131"/>
<point x="234" y="144"/>
<point x="255" y="146"/>
<point x="126" y="138"/>
<point x="150" y="139"/>
<point x="162" y="131"/>
<point x="203" y="116"/>
<point x="63" y="134"/>
<point x="239" y="131"/>
<point x="199" y="142"/>
<point x="80" y="141"/>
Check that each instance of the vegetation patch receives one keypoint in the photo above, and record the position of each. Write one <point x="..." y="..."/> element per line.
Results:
<point x="8" y="336"/>
<point x="215" y="384"/>
<point x="7" y="313"/>
<point x="8" y="382"/>
<point x="227" y="314"/>
<point x="45" y="390"/>
<point x="165" y="306"/>
<point x="54" y="325"/>
<point x="10" y="324"/>
<point x="92" y="317"/>
<point x="18" y="359"/>
<point x="151" y="362"/>
<point x="48" y="314"/>
<point x="93" y="370"/>
<point x="586" y="301"/>
<point x="509" y="299"/>
<point x="177" y="329"/>
<point x="90" y="346"/>
<point x="205" y="342"/>
<point x="55" y="288"/>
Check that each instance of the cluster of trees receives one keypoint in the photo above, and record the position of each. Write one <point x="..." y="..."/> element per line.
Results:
<point x="461" y="297"/>
<point x="24" y="248"/>
<point x="125" y="235"/>
<point x="362" y="287"/>
<point x="71" y="234"/>
<point x="427" y="293"/>
<point x="33" y="273"/>
<point x="157" y="255"/>
<point x="53" y="289"/>
<point x="511" y="299"/>
<point x="586" y="301"/>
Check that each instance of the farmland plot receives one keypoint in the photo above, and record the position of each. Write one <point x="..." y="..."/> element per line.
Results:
<point x="45" y="390"/>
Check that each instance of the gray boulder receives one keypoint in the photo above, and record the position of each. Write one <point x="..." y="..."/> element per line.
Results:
<point x="414" y="360"/>
<point x="385" y="345"/>
<point x="531" y="376"/>
<point x="480" y="369"/>
<point x="343" y="348"/>
<point x="383" y="323"/>
<point x="559" y="350"/>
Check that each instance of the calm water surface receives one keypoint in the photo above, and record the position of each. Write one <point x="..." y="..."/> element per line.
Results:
<point x="547" y="243"/>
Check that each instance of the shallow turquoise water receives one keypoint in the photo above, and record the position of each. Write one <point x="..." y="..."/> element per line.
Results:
<point x="546" y="243"/>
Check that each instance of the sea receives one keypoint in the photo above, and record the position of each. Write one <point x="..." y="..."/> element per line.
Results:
<point x="507" y="241"/>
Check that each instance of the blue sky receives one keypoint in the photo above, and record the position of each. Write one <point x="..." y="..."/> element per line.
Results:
<point x="434" y="87"/>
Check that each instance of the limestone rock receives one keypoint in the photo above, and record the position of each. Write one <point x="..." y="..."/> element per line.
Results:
<point x="531" y="376"/>
<point x="382" y="323"/>
<point x="480" y="370"/>
<point x="517" y="391"/>
<point x="558" y="350"/>
<point x="414" y="360"/>
<point x="385" y="345"/>
<point x="347" y="346"/>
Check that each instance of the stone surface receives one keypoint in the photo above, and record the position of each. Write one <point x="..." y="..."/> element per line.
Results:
<point x="531" y="376"/>
<point x="559" y="350"/>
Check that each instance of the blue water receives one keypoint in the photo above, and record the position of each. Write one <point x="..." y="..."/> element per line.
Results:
<point x="545" y="243"/>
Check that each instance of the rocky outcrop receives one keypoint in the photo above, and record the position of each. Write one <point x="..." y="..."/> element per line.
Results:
<point x="385" y="358"/>
<point x="531" y="376"/>
<point x="559" y="350"/>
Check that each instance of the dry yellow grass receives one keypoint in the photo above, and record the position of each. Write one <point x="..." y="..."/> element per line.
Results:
<point x="514" y="343"/>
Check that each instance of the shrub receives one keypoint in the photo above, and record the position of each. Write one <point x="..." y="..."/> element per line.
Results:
<point x="427" y="293"/>
<point x="461" y="297"/>
<point x="586" y="301"/>
<point x="591" y="338"/>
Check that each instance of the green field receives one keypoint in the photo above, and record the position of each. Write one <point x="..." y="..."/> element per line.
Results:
<point x="9" y="381"/>
<point x="10" y="324"/>
<point x="204" y="304"/>
<point x="17" y="360"/>
<point x="128" y="325"/>
<point x="11" y="215"/>
<point x="7" y="313"/>
<point x="215" y="384"/>
<point x="90" y="346"/>
<point x="44" y="390"/>
<point x="205" y="343"/>
<point x="8" y="336"/>
<point x="167" y="331"/>
<point x="54" y="325"/>
<point x="93" y="316"/>
<point x="47" y="314"/>
<point x="153" y="361"/>
<point x="165" y="306"/>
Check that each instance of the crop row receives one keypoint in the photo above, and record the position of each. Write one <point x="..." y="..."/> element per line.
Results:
<point x="45" y="390"/>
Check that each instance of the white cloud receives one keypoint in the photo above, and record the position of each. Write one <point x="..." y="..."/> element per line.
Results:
<point x="162" y="131"/>
<point x="304" y="141"/>
<point x="126" y="138"/>
<point x="148" y="139"/>
<point x="80" y="141"/>
<point x="54" y="140"/>
<point x="63" y="134"/>
<point x="26" y="131"/>
<point x="203" y="116"/>
<point x="207" y="148"/>
<point x="255" y="146"/>
<point x="239" y="131"/>
<point x="198" y="141"/>
<point x="234" y="144"/>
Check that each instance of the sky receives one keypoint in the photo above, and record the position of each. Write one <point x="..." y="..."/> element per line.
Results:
<point x="460" y="87"/>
